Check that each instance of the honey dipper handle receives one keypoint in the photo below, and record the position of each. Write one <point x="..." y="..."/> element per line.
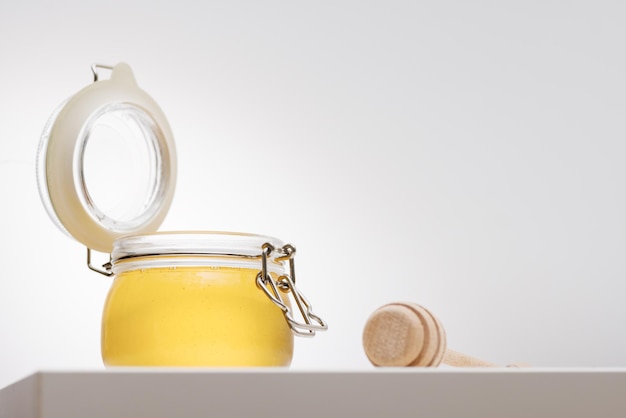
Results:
<point x="456" y="359"/>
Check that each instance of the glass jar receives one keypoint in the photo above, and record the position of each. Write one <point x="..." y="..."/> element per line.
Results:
<point x="193" y="299"/>
<point x="106" y="171"/>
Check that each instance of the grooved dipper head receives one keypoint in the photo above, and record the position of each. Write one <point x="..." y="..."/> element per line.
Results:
<point x="404" y="334"/>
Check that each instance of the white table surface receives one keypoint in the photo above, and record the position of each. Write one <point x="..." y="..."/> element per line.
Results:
<point x="502" y="393"/>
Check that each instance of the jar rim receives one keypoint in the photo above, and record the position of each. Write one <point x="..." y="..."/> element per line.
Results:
<point x="209" y="243"/>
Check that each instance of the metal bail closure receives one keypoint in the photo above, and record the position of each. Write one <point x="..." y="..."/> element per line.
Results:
<point x="287" y="284"/>
<point x="106" y="267"/>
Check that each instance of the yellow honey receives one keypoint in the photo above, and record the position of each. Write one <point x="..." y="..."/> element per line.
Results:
<point x="193" y="316"/>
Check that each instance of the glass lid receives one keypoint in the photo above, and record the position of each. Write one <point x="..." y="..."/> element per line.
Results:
<point x="106" y="163"/>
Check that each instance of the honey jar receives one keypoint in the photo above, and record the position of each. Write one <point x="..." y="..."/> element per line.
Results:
<point x="186" y="298"/>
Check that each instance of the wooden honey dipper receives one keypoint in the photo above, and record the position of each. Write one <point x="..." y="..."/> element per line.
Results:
<point x="407" y="334"/>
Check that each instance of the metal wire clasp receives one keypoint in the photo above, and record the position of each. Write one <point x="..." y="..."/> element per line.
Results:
<point x="94" y="70"/>
<point x="106" y="267"/>
<point x="287" y="284"/>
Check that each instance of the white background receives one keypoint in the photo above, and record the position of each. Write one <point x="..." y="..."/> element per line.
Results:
<point x="467" y="156"/>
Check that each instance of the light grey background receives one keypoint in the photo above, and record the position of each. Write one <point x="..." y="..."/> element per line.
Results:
<point x="463" y="155"/>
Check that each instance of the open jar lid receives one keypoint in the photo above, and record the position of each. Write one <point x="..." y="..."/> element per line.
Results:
<point x="106" y="163"/>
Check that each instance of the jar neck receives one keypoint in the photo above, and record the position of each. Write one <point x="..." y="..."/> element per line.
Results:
<point x="192" y="249"/>
<point x="181" y="260"/>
